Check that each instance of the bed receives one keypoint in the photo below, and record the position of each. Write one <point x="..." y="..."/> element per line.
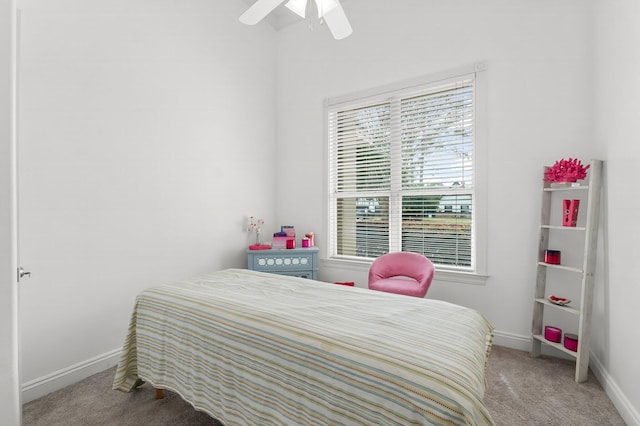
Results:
<point x="251" y="348"/>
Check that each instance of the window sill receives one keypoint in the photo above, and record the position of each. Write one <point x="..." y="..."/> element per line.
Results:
<point x="459" y="277"/>
<point x="446" y="275"/>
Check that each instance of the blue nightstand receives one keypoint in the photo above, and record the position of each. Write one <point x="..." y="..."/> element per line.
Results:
<point x="298" y="262"/>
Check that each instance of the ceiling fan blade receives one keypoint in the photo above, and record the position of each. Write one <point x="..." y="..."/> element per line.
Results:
<point x="259" y="10"/>
<point x="337" y="22"/>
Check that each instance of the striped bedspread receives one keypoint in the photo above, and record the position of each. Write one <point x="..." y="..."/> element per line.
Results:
<point x="251" y="348"/>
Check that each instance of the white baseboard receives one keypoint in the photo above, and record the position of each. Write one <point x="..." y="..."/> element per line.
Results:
<point x="627" y="411"/>
<point x="629" y="414"/>
<point x="523" y="343"/>
<point x="62" y="378"/>
<point x="513" y="341"/>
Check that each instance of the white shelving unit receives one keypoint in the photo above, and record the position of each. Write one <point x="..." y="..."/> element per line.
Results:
<point x="584" y="268"/>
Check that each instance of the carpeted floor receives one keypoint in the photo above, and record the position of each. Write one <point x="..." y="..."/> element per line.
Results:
<point x="542" y="391"/>
<point x="521" y="391"/>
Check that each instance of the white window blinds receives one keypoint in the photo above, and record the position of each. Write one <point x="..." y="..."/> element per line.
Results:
<point x="401" y="173"/>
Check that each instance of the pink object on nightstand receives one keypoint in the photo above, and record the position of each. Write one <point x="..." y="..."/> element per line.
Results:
<point x="553" y="334"/>
<point x="260" y="247"/>
<point x="311" y="238"/>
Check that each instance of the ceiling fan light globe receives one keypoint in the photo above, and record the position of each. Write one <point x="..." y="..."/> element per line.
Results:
<point x="299" y="7"/>
<point x="329" y="12"/>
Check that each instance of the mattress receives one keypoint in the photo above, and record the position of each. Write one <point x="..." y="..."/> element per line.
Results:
<point x="252" y="348"/>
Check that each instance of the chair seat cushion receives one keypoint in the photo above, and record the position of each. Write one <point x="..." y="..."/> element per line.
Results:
<point x="405" y="286"/>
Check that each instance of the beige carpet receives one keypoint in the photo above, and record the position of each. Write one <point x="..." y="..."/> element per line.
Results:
<point x="521" y="391"/>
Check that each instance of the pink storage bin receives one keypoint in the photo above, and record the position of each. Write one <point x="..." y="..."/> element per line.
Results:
<point x="553" y="334"/>
<point x="571" y="342"/>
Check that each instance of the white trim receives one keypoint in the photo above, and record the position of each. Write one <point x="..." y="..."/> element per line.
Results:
<point x="479" y="251"/>
<point x="441" y="275"/>
<point x="10" y="403"/>
<point x="42" y="386"/>
<point x="626" y="409"/>
<point x="481" y="170"/>
<point x="428" y="80"/>
<point x="511" y="340"/>
<point x="460" y="277"/>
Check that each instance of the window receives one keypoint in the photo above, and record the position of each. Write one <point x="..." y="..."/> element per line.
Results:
<point x="403" y="167"/>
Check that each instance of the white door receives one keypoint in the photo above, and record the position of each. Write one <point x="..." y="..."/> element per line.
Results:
<point x="10" y="407"/>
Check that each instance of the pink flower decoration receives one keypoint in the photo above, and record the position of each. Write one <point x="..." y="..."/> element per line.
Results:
<point x="569" y="170"/>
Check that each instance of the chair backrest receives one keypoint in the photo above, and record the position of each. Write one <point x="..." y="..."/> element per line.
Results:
<point x="405" y="264"/>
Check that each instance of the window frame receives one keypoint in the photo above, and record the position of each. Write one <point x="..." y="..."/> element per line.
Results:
<point x="478" y="273"/>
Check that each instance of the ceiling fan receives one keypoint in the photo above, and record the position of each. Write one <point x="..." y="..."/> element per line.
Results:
<point x="329" y="11"/>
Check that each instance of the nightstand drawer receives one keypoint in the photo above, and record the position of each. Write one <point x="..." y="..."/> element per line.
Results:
<point x="293" y="262"/>
<point x="285" y="262"/>
<point x="300" y="274"/>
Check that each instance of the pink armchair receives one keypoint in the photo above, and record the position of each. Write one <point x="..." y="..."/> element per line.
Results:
<point x="402" y="273"/>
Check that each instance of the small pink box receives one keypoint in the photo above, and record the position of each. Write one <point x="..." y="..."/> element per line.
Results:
<point x="571" y="342"/>
<point x="553" y="334"/>
<point x="281" y="242"/>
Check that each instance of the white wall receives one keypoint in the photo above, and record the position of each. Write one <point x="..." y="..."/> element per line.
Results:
<point x="538" y="113"/>
<point x="10" y="412"/>
<point x="147" y="137"/>
<point x="617" y="89"/>
<point x="118" y="96"/>
<point x="540" y="59"/>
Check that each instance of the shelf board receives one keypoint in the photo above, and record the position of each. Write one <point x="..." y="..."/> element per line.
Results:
<point x="565" y="308"/>
<point x="565" y="188"/>
<point x="564" y="228"/>
<point x="590" y="193"/>
<point x="563" y="267"/>
<point x="558" y="346"/>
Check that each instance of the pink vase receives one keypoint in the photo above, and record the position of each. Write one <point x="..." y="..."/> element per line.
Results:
<point x="566" y="180"/>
